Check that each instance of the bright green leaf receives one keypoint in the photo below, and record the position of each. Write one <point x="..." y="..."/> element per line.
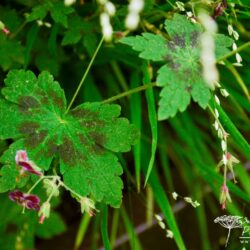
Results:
<point x="152" y="47"/>
<point x="181" y="76"/>
<point x="35" y="112"/>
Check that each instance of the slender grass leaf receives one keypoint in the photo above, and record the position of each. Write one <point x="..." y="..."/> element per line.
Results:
<point x="152" y="120"/>
<point x="104" y="228"/>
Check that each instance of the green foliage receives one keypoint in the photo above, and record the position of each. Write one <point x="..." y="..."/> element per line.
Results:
<point x="57" y="10"/>
<point x="11" y="53"/>
<point x="34" y="111"/>
<point x="79" y="149"/>
<point x="181" y="76"/>
<point x="26" y="226"/>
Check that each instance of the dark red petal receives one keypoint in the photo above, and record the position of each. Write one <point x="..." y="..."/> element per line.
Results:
<point x="17" y="196"/>
<point x="27" y="167"/>
<point x="32" y="202"/>
<point x="31" y="205"/>
<point x="32" y="198"/>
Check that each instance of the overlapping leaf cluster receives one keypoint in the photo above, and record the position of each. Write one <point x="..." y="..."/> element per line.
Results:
<point x="180" y="76"/>
<point x="33" y="113"/>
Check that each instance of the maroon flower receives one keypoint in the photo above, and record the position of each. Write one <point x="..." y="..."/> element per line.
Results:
<point x="29" y="201"/>
<point x="22" y="160"/>
<point x="220" y="8"/>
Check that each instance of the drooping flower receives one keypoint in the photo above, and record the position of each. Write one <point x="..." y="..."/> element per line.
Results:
<point x="3" y="28"/>
<point x="220" y="9"/>
<point x="224" y="196"/>
<point x="87" y="205"/>
<point x="44" y="212"/>
<point x="23" y="161"/>
<point x="29" y="201"/>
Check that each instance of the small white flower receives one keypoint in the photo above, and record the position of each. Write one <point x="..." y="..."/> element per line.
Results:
<point x="162" y="225"/>
<point x="169" y="234"/>
<point x="238" y="58"/>
<point x="234" y="46"/>
<point x="132" y="21"/>
<point x="48" y="25"/>
<point x="158" y="217"/>
<point x="110" y="8"/>
<point x="216" y="113"/>
<point x="188" y="199"/>
<point x="69" y="2"/>
<point x="189" y="14"/>
<point x="174" y="195"/>
<point x="136" y="6"/>
<point x="220" y="133"/>
<point x="107" y="29"/>
<point x="230" y="29"/>
<point x="104" y="19"/>
<point x="195" y="204"/>
<point x="217" y="100"/>
<point x="223" y="145"/>
<point x="216" y="125"/>
<point x="39" y="22"/>
<point x="107" y="32"/>
<point x="224" y="92"/>
<point x="235" y="35"/>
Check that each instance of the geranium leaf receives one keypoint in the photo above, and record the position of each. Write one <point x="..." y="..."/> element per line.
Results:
<point x="181" y="76"/>
<point x="83" y="139"/>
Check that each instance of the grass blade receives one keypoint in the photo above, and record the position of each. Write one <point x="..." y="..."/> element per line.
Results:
<point x="104" y="228"/>
<point x="152" y="119"/>
<point x="136" y="118"/>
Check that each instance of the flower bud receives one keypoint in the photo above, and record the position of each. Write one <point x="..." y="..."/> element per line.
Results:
<point x="224" y="196"/>
<point x="224" y="92"/>
<point x="169" y="234"/>
<point x="110" y="8"/>
<point x="174" y="195"/>
<point x="69" y="2"/>
<point x="217" y="100"/>
<point x="44" y="212"/>
<point x="230" y="29"/>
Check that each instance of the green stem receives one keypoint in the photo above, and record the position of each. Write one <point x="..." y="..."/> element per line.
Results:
<point x="81" y="230"/>
<point x="14" y="34"/>
<point x="244" y="46"/>
<point x="121" y="79"/>
<point x="129" y="92"/>
<point x="69" y="189"/>
<point x="85" y="75"/>
<point x="36" y="183"/>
